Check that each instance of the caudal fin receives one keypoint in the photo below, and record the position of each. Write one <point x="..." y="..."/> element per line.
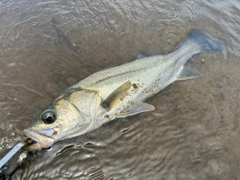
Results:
<point x="204" y="42"/>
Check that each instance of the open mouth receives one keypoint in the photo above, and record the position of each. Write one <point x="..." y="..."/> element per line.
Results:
<point x="38" y="139"/>
<point x="30" y="141"/>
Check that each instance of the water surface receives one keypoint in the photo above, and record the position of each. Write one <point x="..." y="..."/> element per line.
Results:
<point x="192" y="134"/>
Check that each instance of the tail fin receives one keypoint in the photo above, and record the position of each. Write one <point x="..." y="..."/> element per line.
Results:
<point x="204" y="42"/>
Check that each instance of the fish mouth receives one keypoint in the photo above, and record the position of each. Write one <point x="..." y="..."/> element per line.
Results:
<point x="38" y="139"/>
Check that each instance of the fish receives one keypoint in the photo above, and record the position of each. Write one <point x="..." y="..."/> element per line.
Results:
<point x="115" y="92"/>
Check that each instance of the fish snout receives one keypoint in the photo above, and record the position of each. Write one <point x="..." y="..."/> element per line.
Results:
<point x="38" y="139"/>
<point x="48" y="132"/>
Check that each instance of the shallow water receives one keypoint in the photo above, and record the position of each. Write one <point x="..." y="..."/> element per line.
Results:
<point x="192" y="134"/>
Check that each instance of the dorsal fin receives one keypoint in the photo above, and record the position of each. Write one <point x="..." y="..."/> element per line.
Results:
<point x="142" y="54"/>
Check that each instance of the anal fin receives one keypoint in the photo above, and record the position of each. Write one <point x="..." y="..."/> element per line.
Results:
<point x="188" y="73"/>
<point x="136" y="109"/>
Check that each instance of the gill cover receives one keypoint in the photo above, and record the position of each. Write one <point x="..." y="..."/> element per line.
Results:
<point x="74" y="112"/>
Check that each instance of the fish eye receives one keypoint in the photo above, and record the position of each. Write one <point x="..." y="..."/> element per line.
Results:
<point x="48" y="117"/>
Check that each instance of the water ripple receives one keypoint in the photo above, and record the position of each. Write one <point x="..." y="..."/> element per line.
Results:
<point x="192" y="134"/>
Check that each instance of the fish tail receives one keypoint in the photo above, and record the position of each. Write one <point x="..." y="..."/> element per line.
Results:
<point x="204" y="43"/>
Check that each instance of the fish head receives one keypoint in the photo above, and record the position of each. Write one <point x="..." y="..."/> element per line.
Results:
<point x="63" y="119"/>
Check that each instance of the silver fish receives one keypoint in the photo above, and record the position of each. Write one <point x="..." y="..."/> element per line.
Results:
<point x="115" y="92"/>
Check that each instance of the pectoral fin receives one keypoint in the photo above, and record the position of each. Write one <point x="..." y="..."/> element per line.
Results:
<point x="136" y="109"/>
<point x="116" y="96"/>
<point x="188" y="73"/>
